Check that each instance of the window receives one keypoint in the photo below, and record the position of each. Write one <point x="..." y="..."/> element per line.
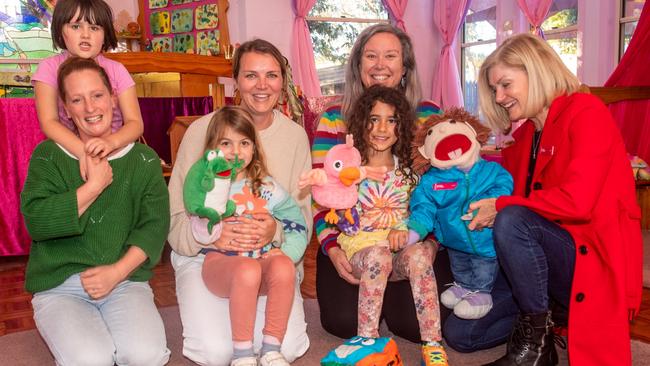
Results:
<point x="561" y="31"/>
<point x="479" y="40"/>
<point x="630" y="13"/>
<point x="334" y="26"/>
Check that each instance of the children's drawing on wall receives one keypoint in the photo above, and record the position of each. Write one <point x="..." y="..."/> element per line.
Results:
<point x="24" y="36"/>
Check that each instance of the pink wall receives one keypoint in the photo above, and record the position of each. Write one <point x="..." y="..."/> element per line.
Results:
<point x="268" y="19"/>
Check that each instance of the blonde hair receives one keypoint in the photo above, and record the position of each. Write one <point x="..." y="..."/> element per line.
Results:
<point x="240" y="121"/>
<point x="548" y="77"/>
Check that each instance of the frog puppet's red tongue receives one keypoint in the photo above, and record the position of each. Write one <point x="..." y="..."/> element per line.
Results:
<point x="224" y="174"/>
<point x="452" y="143"/>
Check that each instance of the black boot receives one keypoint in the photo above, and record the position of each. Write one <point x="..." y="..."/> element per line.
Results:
<point x="531" y="342"/>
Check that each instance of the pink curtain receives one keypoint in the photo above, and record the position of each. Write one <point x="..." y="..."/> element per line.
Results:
<point x="448" y="15"/>
<point x="535" y="11"/>
<point x="302" y="51"/>
<point x="396" y="8"/>
<point x="633" y="117"/>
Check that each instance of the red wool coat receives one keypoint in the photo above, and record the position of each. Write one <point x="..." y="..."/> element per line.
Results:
<point x="583" y="181"/>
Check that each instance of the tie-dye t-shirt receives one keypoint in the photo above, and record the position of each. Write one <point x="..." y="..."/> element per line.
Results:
<point x="384" y="205"/>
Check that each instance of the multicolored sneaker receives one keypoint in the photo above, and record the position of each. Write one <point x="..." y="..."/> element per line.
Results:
<point x="453" y="295"/>
<point x="433" y="354"/>
<point x="474" y="305"/>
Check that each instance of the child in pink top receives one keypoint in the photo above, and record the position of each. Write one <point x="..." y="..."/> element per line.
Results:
<point x="85" y="29"/>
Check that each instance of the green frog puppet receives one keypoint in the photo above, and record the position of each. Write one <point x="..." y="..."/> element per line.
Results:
<point x="206" y="189"/>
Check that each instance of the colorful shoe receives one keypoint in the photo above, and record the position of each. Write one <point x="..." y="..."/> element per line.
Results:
<point x="453" y="295"/>
<point x="474" y="305"/>
<point x="273" y="358"/>
<point x="364" y="351"/>
<point x="433" y="354"/>
<point x="244" y="361"/>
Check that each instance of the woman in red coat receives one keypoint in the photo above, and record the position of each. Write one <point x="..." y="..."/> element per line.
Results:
<point x="570" y="233"/>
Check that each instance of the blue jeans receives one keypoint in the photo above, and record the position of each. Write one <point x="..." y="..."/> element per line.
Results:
<point x="537" y="256"/>
<point x="489" y="331"/>
<point x="473" y="272"/>
<point x="123" y="327"/>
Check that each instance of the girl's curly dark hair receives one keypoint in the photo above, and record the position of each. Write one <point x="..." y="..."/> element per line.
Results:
<point x="359" y="125"/>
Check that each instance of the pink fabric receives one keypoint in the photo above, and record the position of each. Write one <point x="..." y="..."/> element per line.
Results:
<point x="119" y="77"/>
<point x="448" y="15"/>
<point x="633" y="117"/>
<point x="158" y="114"/>
<point x="302" y="51"/>
<point x="19" y="135"/>
<point x="535" y="11"/>
<point x="397" y="9"/>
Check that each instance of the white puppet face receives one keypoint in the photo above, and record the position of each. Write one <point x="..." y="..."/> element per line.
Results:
<point x="451" y="143"/>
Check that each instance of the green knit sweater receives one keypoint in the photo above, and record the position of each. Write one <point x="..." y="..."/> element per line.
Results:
<point x="132" y="210"/>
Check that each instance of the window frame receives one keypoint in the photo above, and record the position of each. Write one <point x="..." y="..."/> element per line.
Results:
<point x="464" y="45"/>
<point x="565" y="32"/>
<point x="622" y="21"/>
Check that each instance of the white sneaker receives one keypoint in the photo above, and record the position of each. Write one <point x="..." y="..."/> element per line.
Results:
<point x="452" y="296"/>
<point x="474" y="305"/>
<point x="244" y="361"/>
<point x="273" y="358"/>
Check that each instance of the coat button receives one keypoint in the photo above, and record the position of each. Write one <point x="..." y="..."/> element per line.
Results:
<point x="580" y="296"/>
<point x="583" y="249"/>
<point x="537" y="186"/>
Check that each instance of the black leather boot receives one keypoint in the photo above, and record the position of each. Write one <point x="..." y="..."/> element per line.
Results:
<point x="531" y="342"/>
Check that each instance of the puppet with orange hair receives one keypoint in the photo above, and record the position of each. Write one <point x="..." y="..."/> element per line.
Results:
<point x="446" y="155"/>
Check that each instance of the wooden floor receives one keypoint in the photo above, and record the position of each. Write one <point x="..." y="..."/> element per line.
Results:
<point x="16" y="310"/>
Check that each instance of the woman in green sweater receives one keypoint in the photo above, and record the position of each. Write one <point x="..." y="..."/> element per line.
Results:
<point x="94" y="243"/>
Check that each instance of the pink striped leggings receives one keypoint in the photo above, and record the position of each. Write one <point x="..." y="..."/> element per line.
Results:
<point x="242" y="280"/>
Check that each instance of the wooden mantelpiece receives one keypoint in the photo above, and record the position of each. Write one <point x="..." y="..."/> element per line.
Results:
<point x="173" y="62"/>
<point x="198" y="73"/>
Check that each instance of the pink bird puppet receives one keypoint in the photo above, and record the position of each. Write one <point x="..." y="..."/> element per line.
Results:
<point x="335" y="185"/>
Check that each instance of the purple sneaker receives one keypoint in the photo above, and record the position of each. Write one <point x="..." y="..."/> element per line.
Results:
<point x="453" y="295"/>
<point x="474" y="305"/>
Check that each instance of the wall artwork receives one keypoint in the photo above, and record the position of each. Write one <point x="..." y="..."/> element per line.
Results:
<point x="24" y="40"/>
<point x="187" y="26"/>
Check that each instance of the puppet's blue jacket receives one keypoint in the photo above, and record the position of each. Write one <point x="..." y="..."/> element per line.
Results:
<point x="443" y="196"/>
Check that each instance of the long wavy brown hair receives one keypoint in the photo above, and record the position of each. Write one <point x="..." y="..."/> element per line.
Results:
<point x="360" y="126"/>
<point x="422" y="164"/>
<point x="241" y="122"/>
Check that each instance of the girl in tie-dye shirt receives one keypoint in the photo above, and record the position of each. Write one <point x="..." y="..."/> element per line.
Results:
<point x="383" y="122"/>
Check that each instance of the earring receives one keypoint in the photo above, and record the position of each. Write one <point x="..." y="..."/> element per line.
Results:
<point x="402" y="81"/>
